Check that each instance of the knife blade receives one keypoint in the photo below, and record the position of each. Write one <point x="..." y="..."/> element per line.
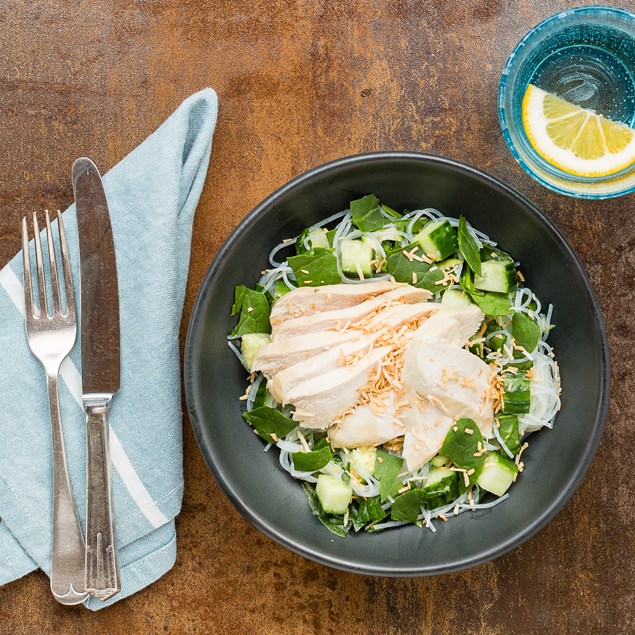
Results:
<point x="99" y="336"/>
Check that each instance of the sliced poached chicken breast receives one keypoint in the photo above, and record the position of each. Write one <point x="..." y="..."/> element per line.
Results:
<point x="280" y="355"/>
<point x="319" y="400"/>
<point x="330" y="320"/>
<point x="309" y="300"/>
<point x="365" y="427"/>
<point x="453" y="324"/>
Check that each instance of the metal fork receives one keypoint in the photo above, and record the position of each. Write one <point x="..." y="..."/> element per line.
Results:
<point x="51" y="337"/>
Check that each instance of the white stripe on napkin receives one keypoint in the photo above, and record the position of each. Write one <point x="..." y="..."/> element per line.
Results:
<point x="73" y="380"/>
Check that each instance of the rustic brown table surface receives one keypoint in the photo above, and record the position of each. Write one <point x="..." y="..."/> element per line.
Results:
<point x="301" y="83"/>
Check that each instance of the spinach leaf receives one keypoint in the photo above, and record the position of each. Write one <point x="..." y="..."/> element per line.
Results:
<point x="461" y="446"/>
<point x="332" y="523"/>
<point x="442" y="492"/>
<point x="492" y="304"/>
<point x="391" y="212"/>
<point x="418" y="274"/>
<point x="493" y="253"/>
<point x="268" y="421"/>
<point x="312" y="461"/>
<point x="387" y="468"/>
<point x="368" y="510"/>
<point x="366" y="215"/>
<point x="468" y="247"/>
<point x="407" y="506"/>
<point x="254" y="310"/>
<point x="525" y="331"/>
<point x="315" y="267"/>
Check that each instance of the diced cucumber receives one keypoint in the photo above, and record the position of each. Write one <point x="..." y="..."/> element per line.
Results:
<point x="250" y="345"/>
<point x="357" y="254"/>
<point x="437" y="474"/>
<point x="449" y="264"/>
<point x="317" y="238"/>
<point x="498" y="474"/>
<point x="497" y="275"/>
<point x="509" y="431"/>
<point x="363" y="459"/>
<point x="441" y="487"/>
<point x="439" y="460"/>
<point x="455" y="297"/>
<point x="438" y="239"/>
<point x="516" y="395"/>
<point x="334" y="495"/>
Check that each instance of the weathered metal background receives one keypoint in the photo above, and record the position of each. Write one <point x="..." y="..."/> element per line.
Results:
<point x="301" y="83"/>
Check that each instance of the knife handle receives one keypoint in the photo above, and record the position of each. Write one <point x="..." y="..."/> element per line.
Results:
<point x="102" y="567"/>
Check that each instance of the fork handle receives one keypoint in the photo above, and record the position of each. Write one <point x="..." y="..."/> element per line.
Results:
<point x="67" y="564"/>
<point x="102" y="568"/>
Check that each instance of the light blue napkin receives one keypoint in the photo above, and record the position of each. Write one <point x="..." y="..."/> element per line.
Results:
<point x="152" y="195"/>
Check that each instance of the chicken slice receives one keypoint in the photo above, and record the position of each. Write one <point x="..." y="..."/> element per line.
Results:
<point x="309" y="300"/>
<point x="365" y="427"/>
<point x="329" y="320"/>
<point x="275" y="356"/>
<point x="324" y="362"/>
<point x="450" y="378"/>
<point x="319" y="400"/>
<point x="454" y="324"/>
<point x="425" y="433"/>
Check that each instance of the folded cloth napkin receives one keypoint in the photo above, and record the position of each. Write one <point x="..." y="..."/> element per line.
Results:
<point x="152" y="195"/>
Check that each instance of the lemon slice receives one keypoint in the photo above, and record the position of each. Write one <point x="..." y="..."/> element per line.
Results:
<point x="575" y="140"/>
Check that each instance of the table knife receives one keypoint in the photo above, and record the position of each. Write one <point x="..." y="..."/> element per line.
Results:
<point x="99" y="332"/>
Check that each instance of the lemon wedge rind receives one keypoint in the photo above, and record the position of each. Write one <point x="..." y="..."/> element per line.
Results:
<point x="577" y="141"/>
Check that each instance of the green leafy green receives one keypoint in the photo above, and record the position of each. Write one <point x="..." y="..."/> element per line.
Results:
<point x="315" y="267"/>
<point x="332" y="523"/>
<point x="268" y="421"/>
<point x="407" y="506"/>
<point x="461" y="446"/>
<point x="366" y="215"/>
<point x="419" y="274"/>
<point x="368" y="510"/>
<point x="525" y="331"/>
<point x="387" y="468"/>
<point x="492" y="253"/>
<point x="254" y="310"/>
<point x="314" y="460"/>
<point x="468" y="247"/>
<point x="391" y="212"/>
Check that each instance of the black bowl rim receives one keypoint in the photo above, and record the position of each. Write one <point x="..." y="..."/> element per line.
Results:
<point x="479" y="558"/>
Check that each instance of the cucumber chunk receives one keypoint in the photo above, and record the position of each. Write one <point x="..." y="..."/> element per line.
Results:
<point x="364" y="459"/>
<point x="357" y="254"/>
<point x="250" y="345"/>
<point x="516" y="395"/>
<point x="497" y="275"/>
<point x="455" y="297"/>
<point x="442" y="487"/>
<point x="449" y="264"/>
<point x="498" y="474"/>
<point x="438" y="239"/>
<point x="439" y="461"/>
<point x="334" y="495"/>
<point x="509" y="432"/>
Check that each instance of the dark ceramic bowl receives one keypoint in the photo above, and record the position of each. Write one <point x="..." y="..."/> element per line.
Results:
<point x="556" y="460"/>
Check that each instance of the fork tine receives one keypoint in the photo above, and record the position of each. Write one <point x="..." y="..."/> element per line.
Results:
<point x="66" y="265"/>
<point x="26" y="262"/>
<point x="41" y="281"/>
<point x="57" y="299"/>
